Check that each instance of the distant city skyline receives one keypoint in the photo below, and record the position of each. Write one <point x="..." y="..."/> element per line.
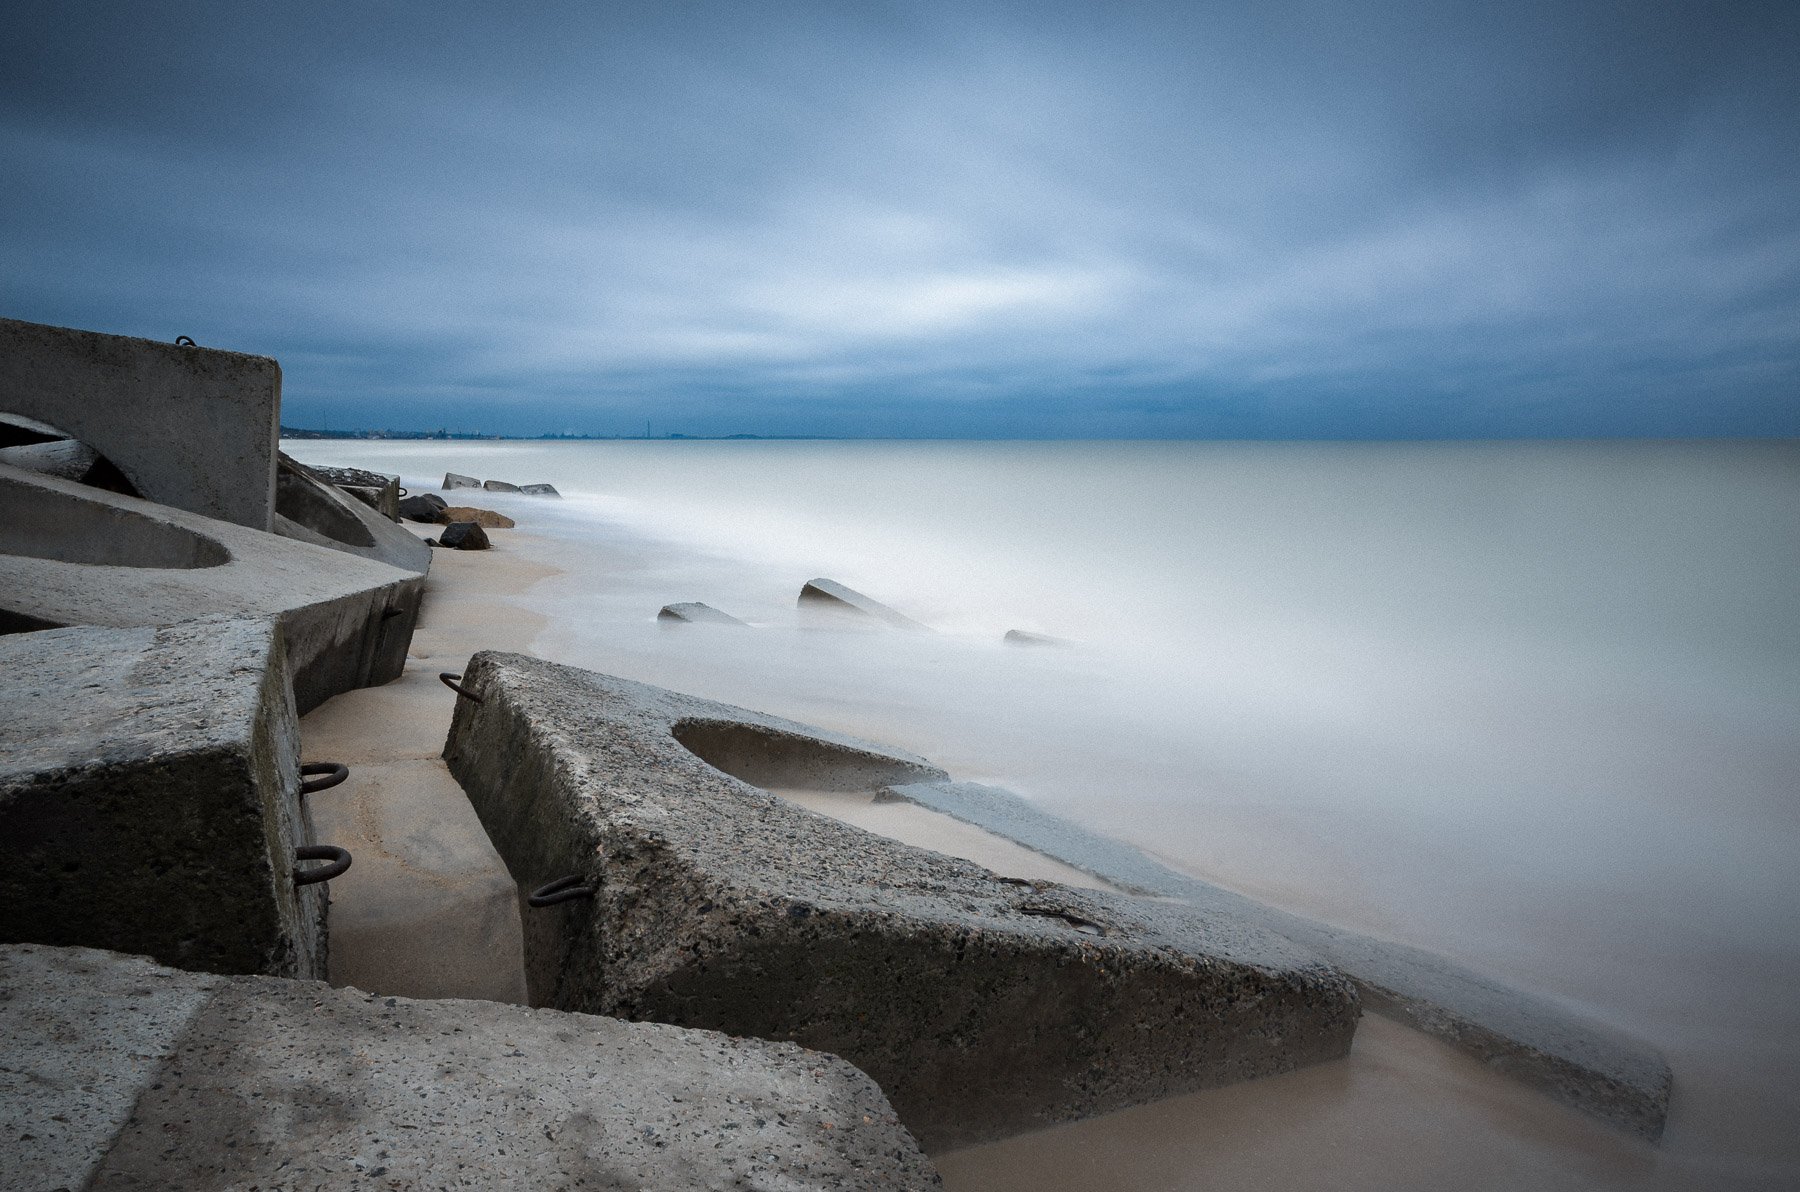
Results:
<point x="982" y="219"/>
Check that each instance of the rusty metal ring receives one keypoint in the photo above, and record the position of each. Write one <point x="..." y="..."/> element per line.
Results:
<point x="563" y="889"/>
<point x="449" y="679"/>
<point x="185" y="341"/>
<point x="324" y="776"/>
<point x="339" y="858"/>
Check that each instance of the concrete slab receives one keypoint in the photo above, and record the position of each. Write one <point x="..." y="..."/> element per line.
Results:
<point x="1546" y="1044"/>
<point x="375" y="489"/>
<point x="694" y="612"/>
<point x="149" y="797"/>
<point x="72" y="555"/>
<point x="827" y="597"/>
<point x="254" y="1082"/>
<point x="428" y="909"/>
<point x="309" y="509"/>
<point x="982" y="1006"/>
<point x="189" y="427"/>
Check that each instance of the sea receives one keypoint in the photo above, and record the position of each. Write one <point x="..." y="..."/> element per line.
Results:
<point x="1532" y="705"/>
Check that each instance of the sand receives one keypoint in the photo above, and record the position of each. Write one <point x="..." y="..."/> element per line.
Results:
<point x="1403" y="1111"/>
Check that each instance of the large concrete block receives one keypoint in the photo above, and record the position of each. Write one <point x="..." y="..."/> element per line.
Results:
<point x="309" y="509"/>
<point x="190" y="427"/>
<point x="1541" y="1042"/>
<point x="72" y="555"/>
<point x="149" y="797"/>
<point x="122" y="1075"/>
<point x="828" y="598"/>
<point x="983" y="1006"/>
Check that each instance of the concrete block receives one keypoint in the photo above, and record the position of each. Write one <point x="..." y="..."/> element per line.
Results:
<point x="982" y="1006"/>
<point x="72" y="555"/>
<point x="457" y="480"/>
<point x="310" y="509"/>
<point x="149" y="797"/>
<point x="1543" y="1043"/>
<point x="134" y="1077"/>
<point x="539" y="490"/>
<point x="830" y="598"/>
<point x="378" y="490"/>
<point x="1024" y="637"/>
<point x="692" y="611"/>
<point x="499" y="486"/>
<point x="189" y="427"/>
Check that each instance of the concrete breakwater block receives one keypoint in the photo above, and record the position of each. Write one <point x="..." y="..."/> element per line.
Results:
<point x="1024" y="637"/>
<point x="982" y="1006"/>
<point x="499" y="486"/>
<point x="378" y="490"/>
<point x="149" y="797"/>
<point x="124" y="1075"/>
<point x="458" y="480"/>
<point x="72" y="555"/>
<point x="828" y="597"/>
<point x="694" y="612"/>
<point x="1557" y="1050"/>
<point x="308" y="509"/>
<point x="539" y="490"/>
<point x="189" y="427"/>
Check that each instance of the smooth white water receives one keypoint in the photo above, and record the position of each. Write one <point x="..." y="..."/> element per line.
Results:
<point x="1532" y="705"/>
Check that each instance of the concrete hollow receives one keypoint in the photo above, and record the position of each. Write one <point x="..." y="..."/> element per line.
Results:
<point x="45" y="524"/>
<point x="768" y="757"/>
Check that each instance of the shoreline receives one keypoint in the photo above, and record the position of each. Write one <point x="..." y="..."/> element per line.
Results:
<point x="1402" y="1102"/>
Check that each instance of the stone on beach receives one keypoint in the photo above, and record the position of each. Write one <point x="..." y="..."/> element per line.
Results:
<point x="693" y="611"/>
<point x="982" y="1006"/>
<point x="457" y="480"/>
<point x="121" y="1074"/>
<point x="149" y="796"/>
<point x="828" y="597"/>
<point x="425" y="507"/>
<point x="463" y="535"/>
<point x="487" y="519"/>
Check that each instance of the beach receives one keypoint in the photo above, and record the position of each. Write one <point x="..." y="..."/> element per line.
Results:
<point x="1402" y="1111"/>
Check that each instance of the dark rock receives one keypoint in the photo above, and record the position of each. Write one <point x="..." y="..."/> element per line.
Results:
<point x="500" y="486"/>
<point x="427" y="508"/>
<point x="456" y="480"/>
<point x="464" y="535"/>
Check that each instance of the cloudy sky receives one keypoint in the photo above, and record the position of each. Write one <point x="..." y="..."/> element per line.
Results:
<point x="1447" y="218"/>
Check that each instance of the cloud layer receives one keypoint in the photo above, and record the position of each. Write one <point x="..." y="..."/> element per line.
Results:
<point x="980" y="219"/>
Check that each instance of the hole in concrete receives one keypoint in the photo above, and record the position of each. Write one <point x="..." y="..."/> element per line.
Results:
<point x="39" y="447"/>
<point x="301" y="498"/>
<point x="768" y="757"/>
<point x="44" y="524"/>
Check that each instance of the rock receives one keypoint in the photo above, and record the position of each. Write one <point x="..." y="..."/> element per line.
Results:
<point x="426" y="507"/>
<point x="149" y="796"/>
<point x="485" y="518"/>
<point x="463" y="535"/>
<point x="455" y="480"/>
<point x="540" y="490"/>
<point x="982" y="1007"/>
<point x="121" y="1075"/>
<point x="1578" y="1061"/>
<point x="500" y="486"/>
<point x="828" y="597"/>
<point x="1024" y="637"/>
<point x="694" y="611"/>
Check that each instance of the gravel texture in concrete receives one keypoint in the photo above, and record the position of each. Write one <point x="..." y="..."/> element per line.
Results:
<point x="149" y="799"/>
<point x="1548" y="1045"/>
<point x="135" y="1077"/>
<point x="983" y="1006"/>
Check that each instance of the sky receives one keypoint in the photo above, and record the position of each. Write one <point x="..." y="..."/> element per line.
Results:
<point x="1446" y="219"/>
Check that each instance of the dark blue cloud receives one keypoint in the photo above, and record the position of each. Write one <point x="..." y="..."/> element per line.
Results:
<point x="1286" y="219"/>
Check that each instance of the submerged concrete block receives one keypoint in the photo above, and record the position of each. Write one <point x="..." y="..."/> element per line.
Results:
<point x="123" y="1075"/>
<point x="831" y="598"/>
<point x="1024" y="637"/>
<point x="149" y="797"/>
<point x="189" y="427"/>
<point x="499" y="486"/>
<point x="72" y="555"/>
<point x="1563" y="1053"/>
<point x="539" y="490"/>
<point x="982" y="1006"/>
<point x="458" y="480"/>
<point x="310" y="509"/>
<point x="692" y="611"/>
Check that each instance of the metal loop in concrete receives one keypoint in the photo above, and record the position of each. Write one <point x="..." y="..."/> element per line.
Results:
<point x="563" y="889"/>
<point x="449" y="679"/>
<point x="339" y="858"/>
<point x="185" y="341"/>
<point x="321" y="776"/>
